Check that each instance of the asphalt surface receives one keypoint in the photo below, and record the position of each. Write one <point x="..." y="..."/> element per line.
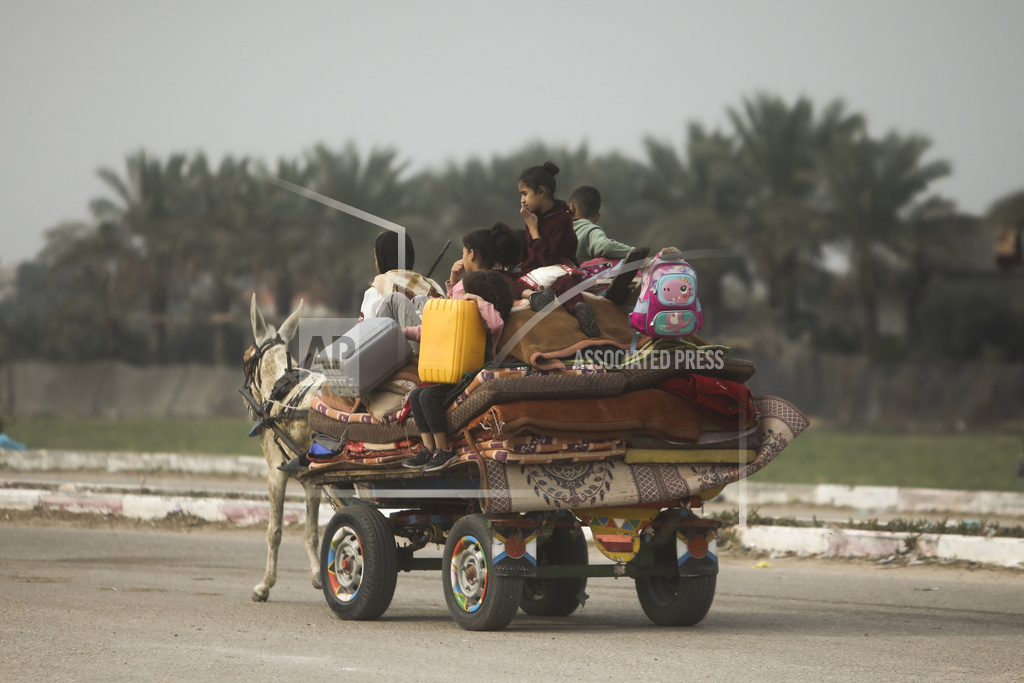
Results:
<point x="94" y="599"/>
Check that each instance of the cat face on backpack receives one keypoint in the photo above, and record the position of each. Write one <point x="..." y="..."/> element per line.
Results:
<point x="677" y="289"/>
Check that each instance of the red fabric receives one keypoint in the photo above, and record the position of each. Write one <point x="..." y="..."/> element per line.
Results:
<point x="596" y="266"/>
<point x="567" y="282"/>
<point x="726" y="404"/>
<point x="556" y="239"/>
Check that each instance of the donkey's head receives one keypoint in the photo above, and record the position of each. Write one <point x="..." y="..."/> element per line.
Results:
<point x="268" y="359"/>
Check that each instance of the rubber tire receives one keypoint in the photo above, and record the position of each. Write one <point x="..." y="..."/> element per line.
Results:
<point x="501" y="594"/>
<point x="376" y="546"/>
<point x="676" y="601"/>
<point x="557" y="597"/>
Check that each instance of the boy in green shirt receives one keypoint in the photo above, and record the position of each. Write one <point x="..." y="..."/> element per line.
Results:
<point x="592" y="242"/>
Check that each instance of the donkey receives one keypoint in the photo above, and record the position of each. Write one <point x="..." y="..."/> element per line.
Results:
<point x="265" y="362"/>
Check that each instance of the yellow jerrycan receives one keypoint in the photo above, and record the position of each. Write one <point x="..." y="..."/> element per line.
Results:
<point x="452" y="341"/>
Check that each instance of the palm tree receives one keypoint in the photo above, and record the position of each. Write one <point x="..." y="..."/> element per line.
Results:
<point x="339" y="246"/>
<point x="96" y="259"/>
<point x="280" y="232"/>
<point x="780" y="148"/>
<point x="154" y="207"/>
<point x="697" y="194"/>
<point x="870" y="186"/>
<point x="218" y="253"/>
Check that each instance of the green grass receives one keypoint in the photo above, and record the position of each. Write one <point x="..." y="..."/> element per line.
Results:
<point x="981" y="461"/>
<point x="973" y="461"/>
<point x="209" y="436"/>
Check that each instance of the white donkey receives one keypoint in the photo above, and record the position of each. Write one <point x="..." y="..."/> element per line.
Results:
<point x="265" y="362"/>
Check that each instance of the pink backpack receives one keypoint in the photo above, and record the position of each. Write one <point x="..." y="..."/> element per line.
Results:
<point x="668" y="304"/>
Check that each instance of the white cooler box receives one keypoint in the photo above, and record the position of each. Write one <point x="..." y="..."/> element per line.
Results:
<point x="365" y="356"/>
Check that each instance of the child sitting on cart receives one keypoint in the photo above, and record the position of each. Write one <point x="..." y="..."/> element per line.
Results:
<point x="493" y="296"/>
<point x="496" y="247"/>
<point x="550" y="241"/>
<point x="483" y="250"/>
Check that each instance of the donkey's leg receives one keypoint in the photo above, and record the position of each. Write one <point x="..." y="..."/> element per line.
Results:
<point x="276" y="481"/>
<point x="312" y="537"/>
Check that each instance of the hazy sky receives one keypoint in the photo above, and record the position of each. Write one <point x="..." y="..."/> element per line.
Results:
<point x="85" y="83"/>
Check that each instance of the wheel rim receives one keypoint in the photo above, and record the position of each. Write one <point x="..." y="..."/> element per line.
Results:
<point x="345" y="564"/>
<point x="469" y="574"/>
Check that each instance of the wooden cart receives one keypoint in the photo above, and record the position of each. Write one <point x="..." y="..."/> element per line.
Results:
<point x="495" y="564"/>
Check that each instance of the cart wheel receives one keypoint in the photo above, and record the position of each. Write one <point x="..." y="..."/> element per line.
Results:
<point x="359" y="563"/>
<point x="557" y="597"/>
<point x="676" y="600"/>
<point x="478" y="599"/>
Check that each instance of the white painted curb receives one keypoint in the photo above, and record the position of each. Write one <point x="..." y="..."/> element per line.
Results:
<point x="241" y="512"/>
<point x="45" y="460"/>
<point x="835" y="542"/>
<point x="881" y="498"/>
<point x="865" y="498"/>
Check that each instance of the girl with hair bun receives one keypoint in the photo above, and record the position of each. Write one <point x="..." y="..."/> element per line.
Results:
<point x="486" y="249"/>
<point x="550" y="241"/>
<point x="549" y="234"/>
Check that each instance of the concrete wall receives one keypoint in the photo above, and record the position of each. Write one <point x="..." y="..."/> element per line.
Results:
<point x="846" y="390"/>
<point x="113" y="389"/>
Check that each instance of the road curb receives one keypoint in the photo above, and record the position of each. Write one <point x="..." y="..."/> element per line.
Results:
<point x="154" y="507"/>
<point x="41" y="460"/>
<point x="880" y="498"/>
<point x="868" y="498"/>
<point x="836" y="542"/>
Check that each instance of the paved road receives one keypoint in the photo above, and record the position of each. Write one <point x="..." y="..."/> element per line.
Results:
<point x="121" y="603"/>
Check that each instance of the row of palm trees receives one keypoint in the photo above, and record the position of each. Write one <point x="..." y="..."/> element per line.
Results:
<point x="781" y="182"/>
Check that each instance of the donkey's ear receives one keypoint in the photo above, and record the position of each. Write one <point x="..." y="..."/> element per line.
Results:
<point x="259" y="325"/>
<point x="289" y="326"/>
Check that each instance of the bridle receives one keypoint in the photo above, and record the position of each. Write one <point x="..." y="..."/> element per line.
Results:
<point x="252" y="367"/>
<point x="251" y="361"/>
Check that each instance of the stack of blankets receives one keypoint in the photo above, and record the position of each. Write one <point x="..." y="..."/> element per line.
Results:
<point x="547" y="404"/>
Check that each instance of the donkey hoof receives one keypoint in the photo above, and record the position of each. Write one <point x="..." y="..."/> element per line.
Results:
<point x="316" y="581"/>
<point x="260" y="593"/>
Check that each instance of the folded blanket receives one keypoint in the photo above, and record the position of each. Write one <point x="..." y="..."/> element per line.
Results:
<point x="358" y="448"/>
<point x="337" y="404"/>
<point x="650" y="412"/>
<point x="531" y="443"/>
<point x="524" y="487"/>
<point x="562" y="458"/>
<point x="384" y="463"/>
<point x="735" y="370"/>
<point x="710" y="437"/>
<point x="390" y="460"/>
<point x="355" y="431"/>
<point x="543" y="340"/>
<point x="477" y="445"/>
<point x="694" y="455"/>
<point x="488" y="375"/>
<point x="322" y="404"/>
